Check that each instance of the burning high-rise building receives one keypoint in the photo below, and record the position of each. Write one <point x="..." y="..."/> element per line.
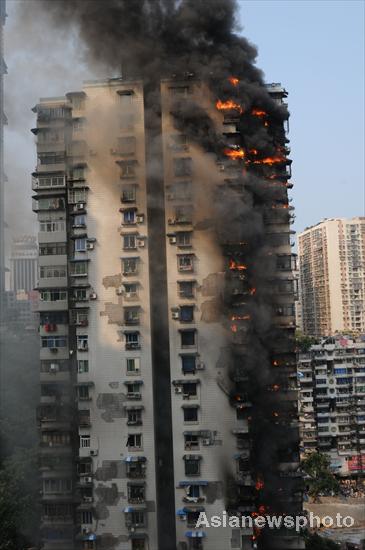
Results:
<point x="167" y="316"/>
<point x="166" y="287"/>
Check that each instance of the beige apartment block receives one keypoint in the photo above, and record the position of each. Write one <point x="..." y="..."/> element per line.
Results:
<point x="332" y="276"/>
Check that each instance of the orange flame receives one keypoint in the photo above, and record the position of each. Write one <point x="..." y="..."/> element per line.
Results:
<point x="270" y="160"/>
<point x="258" y="112"/>
<point x="254" y="151"/>
<point x="228" y="105"/>
<point x="234" y="328"/>
<point x="259" y="484"/>
<point x="234" y="153"/>
<point x="275" y="387"/>
<point x="240" y="317"/>
<point x="252" y="291"/>
<point x="276" y="414"/>
<point x="233" y="80"/>
<point x="266" y="123"/>
<point x="235" y="265"/>
<point x="284" y="205"/>
<point x="275" y="363"/>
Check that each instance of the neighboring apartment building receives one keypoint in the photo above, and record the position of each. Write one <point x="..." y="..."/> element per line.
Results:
<point x="24" y="263"/>
<point x="332" y="276"/>
<point x="104" y="345"/>
<point x="332" y="402"/>
<point x="3" y="122"/>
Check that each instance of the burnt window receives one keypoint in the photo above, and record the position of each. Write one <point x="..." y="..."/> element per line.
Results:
<point x="190" y="414"/>
<point x="183" y="166"/>
<point x="192" y="465"/>
<point x="190" y="389"/>
<point x="188" y="338"/>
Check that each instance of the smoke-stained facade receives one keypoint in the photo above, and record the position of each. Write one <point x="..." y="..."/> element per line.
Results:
<point x="166" y="282"/>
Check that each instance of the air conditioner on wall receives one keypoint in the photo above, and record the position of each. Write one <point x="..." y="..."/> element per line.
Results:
<point x="94" y="452"/>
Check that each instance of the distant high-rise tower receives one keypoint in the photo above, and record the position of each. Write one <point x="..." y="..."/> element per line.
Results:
<point x="24" y="264"/>
<point x="332" y="276"/>
<point x="3" y="121"/>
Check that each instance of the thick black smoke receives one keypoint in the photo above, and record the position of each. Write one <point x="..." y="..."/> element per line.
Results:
<point x="154" y="39"/>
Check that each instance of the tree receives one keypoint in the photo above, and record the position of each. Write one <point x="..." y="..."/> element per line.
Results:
<point x="321" y="479"/>
<point x="303" y="341"/>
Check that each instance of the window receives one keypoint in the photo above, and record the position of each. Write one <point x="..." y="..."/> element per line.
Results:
<point x="86" y="517"/>
<point x="132" y="340"/>
<point x="127" y="168"/>
<point x="134" y="417"/>
<point x="127" y="145"/>
<point x="53" y="295"/>
<point x="187" y="338"/>
<point x="53" y="317"/>
<point x="130" y="290"/>
<point x="139" y="544"/>
<point x="133" y="365"/>
<point x="51" y="158"/>
<point x="191" y="441"/>
<point x="180" y="90"/>
<point x="63" y="485"/>
<point x="186" y="314"/>
<point x="190" y="414"/>
<point x="76" y="195"/>
<point x="55" y="438"/>
<point x="186" y="289"/>
<point x="78" y="173"/>
<point x="183" y="167"/>
<point x="137" y="518"/>
<point x="183" y="214"/>
<point x="130" y="242"/>
<point x="185" y="262"/>
<point x="52" y="249"/>
<point x="82" y="366"/>
<point x="79" y="269"/>
<point x="80" y="245"/>
<point x="84" y="418"/>
<point x="180" y="190"/>
<point x="190" y="389"/>
<point x="178" y="142"/>
<point x="51" y="181"/>
<point x="183" y="238"/>
<point x="54" y="341"/>
<point x="125" y="97"/>
<point x="136" y="493"/>
<point x="82" y="342"/>
<point x="133" y="389"/>
<point x="51" y="226"/>
<point x="126" y="121"/>
<point x="134" y="442"/>
<point x="192" y="465"/>
<point x="84" y="467"/>
<point x="188" y="363"/>
<point x="129" y="193"/>
<point x="79" y="220"/>
<point x="196" y="544"/>
<point x="131" y="315"/>
<point x="193" y="491"/>
<point x="80" y="294"/>
<point x="84" y="441"/>
<point x="83" y="392"/>
<point x="47" y="272"/>
<point x="130" y="266"/>
<point x="129" y="217"/>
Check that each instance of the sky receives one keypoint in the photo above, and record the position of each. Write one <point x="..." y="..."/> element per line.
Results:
<point x="315" y="48"/>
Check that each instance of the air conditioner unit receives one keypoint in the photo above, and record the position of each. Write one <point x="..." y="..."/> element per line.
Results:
<point x="175" y="315"/>
<point x="90" y="246"/>
<point x="80" y="206"/>
<point x="88" y="479"/>
<point x="119" y="291"/>
<point x="206" y="442"/>
<point x="172" y="240"/>
<point x="88" y="499"/>
<point x="53" y="350"/>
<point x="141" y="243"/>
<point x="140" y="218"/>
<point x="94" y="452"/>
<point x="130" y="294"/>
<point x="92" y="296"/>
<point x="200" y="365"/>
<point x="178" y="389"/>
<point x="54" y="367"/>
<point x="85" y="531"/>
<point x="171" y="221"/>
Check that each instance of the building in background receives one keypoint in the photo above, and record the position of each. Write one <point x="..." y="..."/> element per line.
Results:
<point x="149" y="379"/>
<point x="24" y="263"/>
<point x="332" y="277"/>
<point x="3" y="122"/>
<point x="332" y="402"/>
